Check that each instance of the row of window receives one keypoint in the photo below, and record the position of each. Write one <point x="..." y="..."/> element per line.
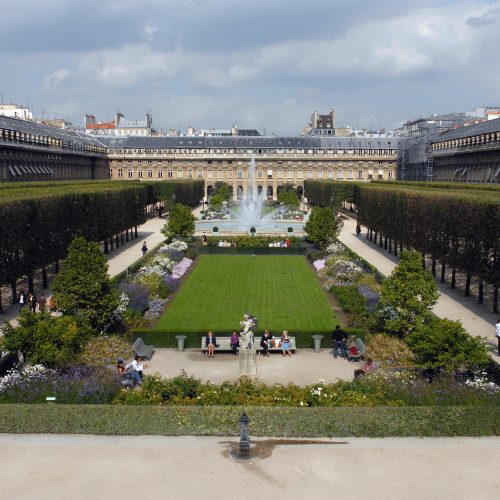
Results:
<point x="260" y="175"/>
<point x="364" y="152"/>
<point x="229" y="162"/>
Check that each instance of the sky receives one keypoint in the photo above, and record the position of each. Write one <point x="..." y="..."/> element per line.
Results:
<point x="265" y="64"/>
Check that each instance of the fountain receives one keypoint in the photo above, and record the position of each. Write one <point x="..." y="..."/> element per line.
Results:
<point x="249" y="214"/>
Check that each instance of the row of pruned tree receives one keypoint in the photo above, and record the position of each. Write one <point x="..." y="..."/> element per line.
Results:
<point x="457" y="228"/>
<point x="37" y="225"/>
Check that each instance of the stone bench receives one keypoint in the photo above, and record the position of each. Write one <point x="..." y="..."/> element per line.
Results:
<point x="143" y="350"/>
<point x="224" y="345"/>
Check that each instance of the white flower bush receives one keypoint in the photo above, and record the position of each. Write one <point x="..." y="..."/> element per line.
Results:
<point x="335" y="248"/>
<point x="25" y="377"/>
<point x="158" y="265"/>
<point x="343" y="271"/>
<point x="174" y="246"/>
<point x="483" y="384"/>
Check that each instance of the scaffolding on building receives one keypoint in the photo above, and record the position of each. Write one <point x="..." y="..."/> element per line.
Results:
<point x="415" y="161"/>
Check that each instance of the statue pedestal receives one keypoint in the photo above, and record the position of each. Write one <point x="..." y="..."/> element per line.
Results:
<point x="248" y="363"/>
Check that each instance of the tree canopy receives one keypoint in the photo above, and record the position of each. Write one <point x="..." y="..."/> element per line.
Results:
<point x="323" y="226"/>
<point x="181" y="223"/>
<point x="83" y="287"/>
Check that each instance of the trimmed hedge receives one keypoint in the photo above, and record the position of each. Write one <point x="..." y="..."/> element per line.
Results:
<point x="303" y="340"/>
<point x="264" y="421"/>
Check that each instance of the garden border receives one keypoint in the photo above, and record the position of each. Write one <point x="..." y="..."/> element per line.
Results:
<point x="383" y="421"/>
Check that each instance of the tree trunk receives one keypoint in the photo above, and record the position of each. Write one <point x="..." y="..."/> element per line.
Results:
<point x="495" y="300"/>
<point x="136" y="235"/>
<point x="400" y="247"/>
<point x="381" y="243"/>
<point x="423" y="260"/>
<point x="31" y="288"/>
<point x="117" y="241"/>
<point x="367" y="233"/>
<point x="111" y="244"/>
<point x="480" y="295"/>
<point x="385" y="242"/>
<point x="121" y="238"/>
<point x="434" y="266"/>
<point x="14" y="291"/>
<point x="126" y="235"/>
<point x="390" y="245"/>
<point x="467" y="286"/>
<point x="371" y="235"/>
<point x="443" y="272"/>
<point x="44" y="278"/>
<point x="395" y="248"/>
<point x="453" y="278"/>
<point x="56" y="266"/>
<point x="1" y="306"/>
<point x="106" y="249"/>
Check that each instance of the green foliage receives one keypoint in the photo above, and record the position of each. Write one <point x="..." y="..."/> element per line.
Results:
<point x="445" y="344"/>
<point x="389" y="351"/>
<point x="181" y="223"/>
<point x="169" y="192"/>
<point x="407" y="296"/>
<point x="154" y="283"/>
<point x="328" y="193"/>
<point x="83" y="286"/>
<point x="288" y="196"/>
<point x="353" y="304"/>
<point x="216" y="201"/>
<point x="222" y="420"/>
<point x="51" y="341"/>
<point x="104" y="351"/>
<point x="223" y="191"/>
<point x="323" y="226"/>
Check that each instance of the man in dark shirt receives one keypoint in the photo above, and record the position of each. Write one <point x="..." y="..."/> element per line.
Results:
<point x="339" y="338"/>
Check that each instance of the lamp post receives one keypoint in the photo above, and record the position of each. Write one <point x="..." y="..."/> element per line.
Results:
<point x="244" y="448"/>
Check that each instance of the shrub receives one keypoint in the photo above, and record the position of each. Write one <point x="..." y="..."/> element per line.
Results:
<point x="105" y="351"/>
<point x="389" y="351"/>
<point x="152" y="282"/>
<point x="47" y="340"/>
<point x="181" y="223"/>
<point x="354" y="305"/>
<point x="445" y="344"/>
<point x="323" y="226"/>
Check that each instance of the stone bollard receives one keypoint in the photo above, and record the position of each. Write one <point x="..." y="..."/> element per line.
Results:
<point x="180" y="342"/>
<point x="244" y="447"/>
<point x="317" y="342"/>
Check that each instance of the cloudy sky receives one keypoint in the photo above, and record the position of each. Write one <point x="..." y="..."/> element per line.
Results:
<point x="264" y="64"/>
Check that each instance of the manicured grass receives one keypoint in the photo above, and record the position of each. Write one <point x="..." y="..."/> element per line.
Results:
<point x="282" y="291"/>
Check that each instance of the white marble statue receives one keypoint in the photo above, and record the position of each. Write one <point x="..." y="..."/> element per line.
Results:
<point x="246" y="335"/>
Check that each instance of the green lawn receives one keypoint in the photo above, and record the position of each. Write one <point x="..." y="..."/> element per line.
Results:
<point x="282" y="291"/>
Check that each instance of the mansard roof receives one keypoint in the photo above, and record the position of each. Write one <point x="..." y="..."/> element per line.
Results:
<point x="137" y="142"/>
<point x="471" y="130"/>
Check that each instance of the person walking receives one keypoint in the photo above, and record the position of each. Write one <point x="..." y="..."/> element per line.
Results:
<point x="144" y="248"/>
<point x="339" y="338"/>
<point x="33" y="302"/>
<point x="22" y="299"/>
<point x="497" y="326"/>
<point x="358" y="229"/>
<point x="42" y="303"/>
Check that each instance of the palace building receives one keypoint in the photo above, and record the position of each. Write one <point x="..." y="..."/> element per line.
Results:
<point x="468" y="154"/>
<point x="33" y="152"/>
<point x="278" y="160"/>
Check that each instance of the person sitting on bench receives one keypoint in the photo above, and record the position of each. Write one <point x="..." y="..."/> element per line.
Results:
<point x="234" y="342"/>
<point x="135" y="369"/>
<point x="365" y="369"/>
<point x="265" y="343"/>
<point x="210" y="344"/>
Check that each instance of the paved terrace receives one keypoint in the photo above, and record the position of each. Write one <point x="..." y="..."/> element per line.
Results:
<point x="149" y="467"/>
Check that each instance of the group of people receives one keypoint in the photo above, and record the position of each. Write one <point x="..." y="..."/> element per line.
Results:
<point x="225" y="243"/>
<point x="340" y="344"/>
<point x="133" y="372"/>
<point x="281" y="244"/>
<point x="266" y="342"/>
<point x="30" y="301"/>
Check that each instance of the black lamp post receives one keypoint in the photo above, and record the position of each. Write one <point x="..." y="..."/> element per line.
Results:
<point x="244" y="448"/>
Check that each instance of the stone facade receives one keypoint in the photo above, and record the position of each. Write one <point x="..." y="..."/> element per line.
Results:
<point x="278" y="161"/>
